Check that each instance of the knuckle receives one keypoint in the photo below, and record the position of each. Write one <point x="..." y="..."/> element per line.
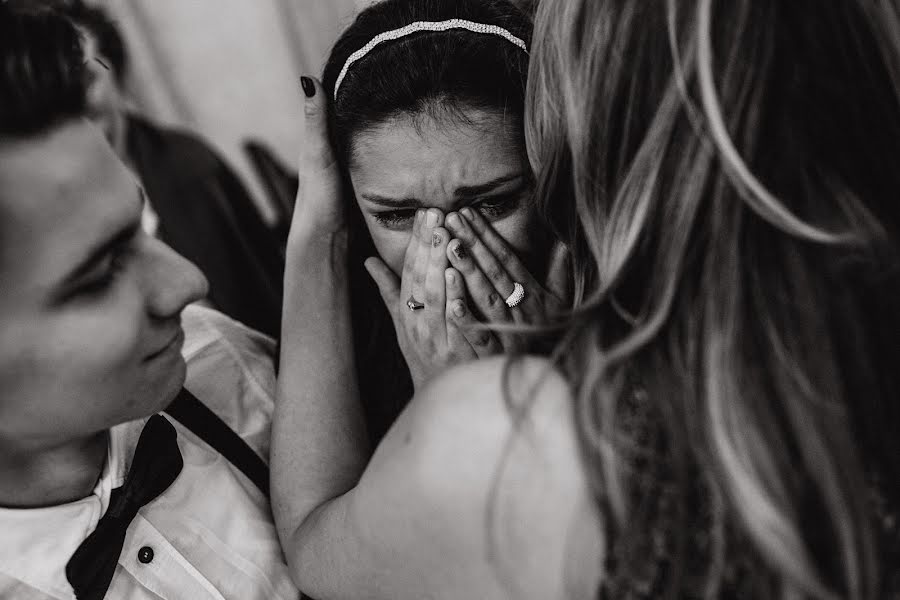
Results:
<point x="494" y="301"/>
<point x="466" y="237"/>
<point x="475" y="245"/>
<point x="432" y="297"/>
<point x="482" y="339"/>
<point x="503" y="253"/>
<point x="466" y="265"/>
<point x="494" y="271"/>
<point x="312" y="111"/>
<point x="458" y="309"/>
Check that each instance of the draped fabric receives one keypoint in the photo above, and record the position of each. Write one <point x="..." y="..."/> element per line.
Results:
<point x="228" y="69"/>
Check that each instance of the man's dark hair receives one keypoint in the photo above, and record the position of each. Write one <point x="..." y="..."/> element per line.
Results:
<point x="437" y="74"/>
<point x="43" y="77"/>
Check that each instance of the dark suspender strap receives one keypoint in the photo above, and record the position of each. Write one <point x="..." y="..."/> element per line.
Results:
<point x="205" y="424"/>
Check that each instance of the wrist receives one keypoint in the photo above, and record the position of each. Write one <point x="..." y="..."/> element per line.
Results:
<point x="309" y="243"/>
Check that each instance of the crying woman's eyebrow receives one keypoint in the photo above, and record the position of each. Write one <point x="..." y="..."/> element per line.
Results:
<point x="474" y="191"/>
<point x="465" y="192"/>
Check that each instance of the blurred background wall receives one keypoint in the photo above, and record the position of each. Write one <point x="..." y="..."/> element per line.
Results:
<point x="229" y="69"/>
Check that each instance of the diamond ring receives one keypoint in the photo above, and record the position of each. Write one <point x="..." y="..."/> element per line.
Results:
<point x="517" y="295"/>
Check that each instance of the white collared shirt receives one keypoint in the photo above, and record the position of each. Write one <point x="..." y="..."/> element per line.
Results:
<point x="210" y="535"/>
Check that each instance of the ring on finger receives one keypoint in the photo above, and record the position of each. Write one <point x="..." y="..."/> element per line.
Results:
<point x="517" y="295"/>
<point x="414" y="304"/>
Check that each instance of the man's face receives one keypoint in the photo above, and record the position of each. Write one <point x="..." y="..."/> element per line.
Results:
<point x="90" y="332"/>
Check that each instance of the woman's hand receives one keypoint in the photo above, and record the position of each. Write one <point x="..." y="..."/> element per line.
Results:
<point x="490" y="269"/>
<point x="434" y="324"/>
<point x="319" y="209"/>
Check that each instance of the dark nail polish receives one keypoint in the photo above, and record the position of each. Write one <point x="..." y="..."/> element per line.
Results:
<point x="459" y="308"/>
<point x="309" y="88"/>
<point x="459" y="251"/>
<point x="436" y="239"/>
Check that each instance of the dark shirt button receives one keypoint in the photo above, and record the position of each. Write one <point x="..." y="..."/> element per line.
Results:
<point x="145" y="555"/>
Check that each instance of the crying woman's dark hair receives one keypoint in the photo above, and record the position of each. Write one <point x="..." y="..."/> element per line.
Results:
<point x="438" y="74"/>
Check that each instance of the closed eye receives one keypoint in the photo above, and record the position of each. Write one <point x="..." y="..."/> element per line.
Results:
<point x="398" y="219"/>
<point x="104" y="274"/>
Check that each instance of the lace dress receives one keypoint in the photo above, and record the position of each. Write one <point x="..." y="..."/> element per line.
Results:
<point x="718" y="562"/>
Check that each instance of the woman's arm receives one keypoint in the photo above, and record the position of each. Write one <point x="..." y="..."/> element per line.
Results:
<point x="319" y="443"/>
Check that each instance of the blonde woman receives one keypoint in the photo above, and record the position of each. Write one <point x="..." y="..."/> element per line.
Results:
<point x="721" y="418"/>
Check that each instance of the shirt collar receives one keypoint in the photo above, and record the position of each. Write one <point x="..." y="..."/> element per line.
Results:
<point x="38" y="542"/>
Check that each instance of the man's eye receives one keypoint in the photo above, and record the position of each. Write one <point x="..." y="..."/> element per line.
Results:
<point x="396" y="219"/>
<point x="105" y="276"/>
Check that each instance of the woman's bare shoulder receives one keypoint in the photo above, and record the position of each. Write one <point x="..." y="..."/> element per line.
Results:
<point x="498" y="452"/>
<point x="487" y="403"/>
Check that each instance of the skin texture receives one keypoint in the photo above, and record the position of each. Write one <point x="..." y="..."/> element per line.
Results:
<point x="79" y="353"/>
<point x="419" y="162"/>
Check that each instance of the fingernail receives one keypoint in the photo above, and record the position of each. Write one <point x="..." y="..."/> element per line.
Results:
<point x="419" y="214"/>
<point x="431" y="220"/>
<point x="459" y="251"/>
<point x="459" y="308"/>
<point x="467" y="213"/>
<point x="309" y="88"/>
<point x="453" y="220"/>
<point x="436" y="239"/>
<point x="451" y="277"/>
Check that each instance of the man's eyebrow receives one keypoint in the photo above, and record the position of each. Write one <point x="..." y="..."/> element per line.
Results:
<point x="461" y="193"/>
<point x="123" y="234"/>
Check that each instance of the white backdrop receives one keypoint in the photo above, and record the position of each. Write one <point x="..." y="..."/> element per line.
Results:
<point x="228" y="69"/>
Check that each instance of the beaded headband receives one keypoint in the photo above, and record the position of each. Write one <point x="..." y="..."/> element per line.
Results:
<point x="412" y="28"/>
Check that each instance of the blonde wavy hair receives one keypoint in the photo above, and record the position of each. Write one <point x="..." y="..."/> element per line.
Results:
<point x="726" y="175"/>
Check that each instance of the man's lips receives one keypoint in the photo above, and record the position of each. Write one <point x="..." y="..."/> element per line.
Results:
<point x="173" y="342"/>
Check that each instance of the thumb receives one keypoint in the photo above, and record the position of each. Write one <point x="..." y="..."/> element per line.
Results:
<point x="388" y="283"/>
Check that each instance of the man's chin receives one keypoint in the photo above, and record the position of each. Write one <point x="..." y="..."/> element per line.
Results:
<point x="169" y="389"/>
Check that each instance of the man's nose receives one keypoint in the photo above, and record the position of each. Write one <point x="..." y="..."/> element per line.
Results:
<point x="173" y="282"/>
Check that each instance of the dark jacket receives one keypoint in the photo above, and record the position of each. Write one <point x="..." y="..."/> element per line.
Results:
<point x="206" y="215"/>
